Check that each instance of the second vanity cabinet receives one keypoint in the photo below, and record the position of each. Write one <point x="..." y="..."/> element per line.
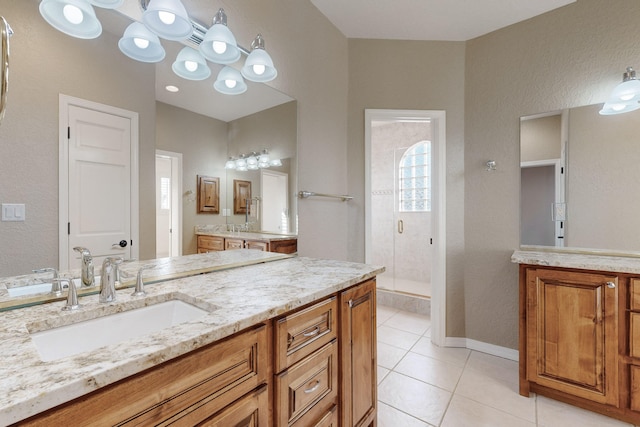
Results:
<point x="580" y="338"/>
<point x="207" y="243"/>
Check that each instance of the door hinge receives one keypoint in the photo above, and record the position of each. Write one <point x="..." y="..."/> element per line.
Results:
<point x="431" y="240"/>
<point x="69" y="228"/>
<point x="131" y="242"/>
<point x="68" y="132"/>
<point x="562" y="170"/>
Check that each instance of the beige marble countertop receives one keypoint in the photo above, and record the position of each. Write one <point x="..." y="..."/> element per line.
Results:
<point x="236" y="299"/>
<point x="207" y="230"/>
<point x="583" y="259"/>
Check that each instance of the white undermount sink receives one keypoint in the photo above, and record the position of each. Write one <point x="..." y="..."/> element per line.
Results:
<point x="40" y="288"/>
<point x="69" y="340"/>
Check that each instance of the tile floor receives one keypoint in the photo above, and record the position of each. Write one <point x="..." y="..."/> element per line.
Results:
<point x="422" y="385"/>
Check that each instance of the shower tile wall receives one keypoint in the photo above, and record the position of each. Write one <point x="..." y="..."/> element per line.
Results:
<point x="389" y="138"/>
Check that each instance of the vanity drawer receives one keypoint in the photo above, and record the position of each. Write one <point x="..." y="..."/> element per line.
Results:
<point x="211" y="243"/>
<point x="634" y="286"/>
<point x="310" y="386"/>
<point x="329" y="419"/>
<point x="257" y="244"/>
<point x="303" y="332"/>
<point x="634" y="334"/>
<point x="251" y="410"/>
<point x="233" y="244"/>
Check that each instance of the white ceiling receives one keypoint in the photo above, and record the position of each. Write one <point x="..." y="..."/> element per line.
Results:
<point x="453" y="20"/>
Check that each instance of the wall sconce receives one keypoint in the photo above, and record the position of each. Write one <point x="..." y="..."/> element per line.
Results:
<point x="252" y="161"/>
<point x="169" y="20"/>
<point x="491" y="165"/>
<point x="625" y="97"/>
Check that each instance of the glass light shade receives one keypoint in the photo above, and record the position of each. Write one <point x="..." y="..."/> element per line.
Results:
<point x="612" y="107"/>
<point x="626" y="91"/>
<point x="625" y="97"/>
<point x="107" y="4"/>
<point x="275" y="162"/>
<point x="259" y="60"/>
<point x="241" y="163"/>
<point x="230" y="82"/>
<point x="168" y="19"/>
<point x="231" y="164"/>
<point x="220" y="34"/>
<point x="132" y="40"/>
<point x="252" y="160"/>
<point x="83" y="25"/>
<point x="253" y="167"/>
<point x="190" y="65"/>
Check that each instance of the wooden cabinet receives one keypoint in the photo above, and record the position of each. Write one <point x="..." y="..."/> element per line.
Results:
<point x="580" y="338"/>
<point x="306" y="364"/>
<point x="183" y="391"/>
<point x="358" y="362"/>
<point x="207" y="243"/>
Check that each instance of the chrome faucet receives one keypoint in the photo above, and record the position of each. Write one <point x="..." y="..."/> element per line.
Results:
<point x="56" y="289"/>
<point x="72" y="296"/>
<point x="108" y="279"/>
<point x="88" y="278"/>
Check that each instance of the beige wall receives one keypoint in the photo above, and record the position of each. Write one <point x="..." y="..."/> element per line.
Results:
<point x="572" y="56"/>
<point x="203" y="144"/>
<point x="408" y="75"/>
<point x="540" y="138"/>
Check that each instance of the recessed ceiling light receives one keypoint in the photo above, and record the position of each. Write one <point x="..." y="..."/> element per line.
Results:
<point x="171" y="88"/>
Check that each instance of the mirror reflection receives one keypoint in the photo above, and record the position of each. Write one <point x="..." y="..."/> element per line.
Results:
<point x="200" y="125"/>
<point x="579" y="175"/>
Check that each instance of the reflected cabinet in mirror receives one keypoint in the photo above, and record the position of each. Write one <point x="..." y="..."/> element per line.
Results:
<point x="203" y="129"/>
<point x="579" y="179"/>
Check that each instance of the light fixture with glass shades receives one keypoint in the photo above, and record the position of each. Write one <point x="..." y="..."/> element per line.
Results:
<point x="75" y="18"/>
<point x="141" y="44"/>
<point x="230" y="82"/>
<point x="625" y="97"/>
<point x="219" y="44"/>
<point x="191" y="65"/>
<point x="259" y="66"/>
<point x="168" y="19"/>
<point x="252" y="161"/>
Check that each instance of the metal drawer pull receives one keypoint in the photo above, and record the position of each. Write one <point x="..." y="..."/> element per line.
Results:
<point x="611" y="285"/>
<point x="312" y="333"/>
<point x="314" y="388"/>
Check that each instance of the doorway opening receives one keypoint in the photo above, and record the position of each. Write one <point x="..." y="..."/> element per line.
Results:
<point x="405" y="208"/>
<point x="168" y="206"/>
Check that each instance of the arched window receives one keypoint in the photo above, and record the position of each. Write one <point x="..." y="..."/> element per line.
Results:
<point x="415" y="178"/>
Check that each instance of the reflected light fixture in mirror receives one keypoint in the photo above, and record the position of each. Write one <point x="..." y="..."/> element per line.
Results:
<point x="141" y="44"/>
<point x="75" y="18"/>
<point x="625" y="97"/>
<point x="191" y="65"/>
<point x="252" y="161"/>
<point x="219" y="44"/>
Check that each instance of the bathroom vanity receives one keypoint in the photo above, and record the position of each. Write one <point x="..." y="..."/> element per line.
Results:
<point x="580" y="329"/>
<point x="286" y="342"/>
<point x="210" y="240"/>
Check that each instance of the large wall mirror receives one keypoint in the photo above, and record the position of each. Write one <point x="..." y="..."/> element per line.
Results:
<point x="579" y="179"/>
<point x="205" y="127"/>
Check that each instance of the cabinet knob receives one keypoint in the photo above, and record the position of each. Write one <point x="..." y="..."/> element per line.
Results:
<point x="611" y="285"/>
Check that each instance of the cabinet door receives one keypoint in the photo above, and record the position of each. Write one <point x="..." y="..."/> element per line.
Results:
<point x="358" y="348"/>
<point x="572" y="333"/>
<point x="230" y="244"/>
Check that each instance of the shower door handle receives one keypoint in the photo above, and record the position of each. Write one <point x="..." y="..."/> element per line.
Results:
<point x="400" y="226"/>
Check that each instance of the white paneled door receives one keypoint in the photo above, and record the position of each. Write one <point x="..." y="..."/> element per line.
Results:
<point x="100" y="143"/>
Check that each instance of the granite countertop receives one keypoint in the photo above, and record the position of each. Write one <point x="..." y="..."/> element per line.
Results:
<point x="154" y="270"/>
<point x="237" y="298"/>
<point x="213" y="230"/>
<point x="583" y="259"/>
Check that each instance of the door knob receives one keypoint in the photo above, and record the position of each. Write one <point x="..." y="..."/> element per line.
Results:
<point x="121" y="243"/>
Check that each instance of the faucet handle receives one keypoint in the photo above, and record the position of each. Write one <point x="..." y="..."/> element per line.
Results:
<point x="72" y="295"/>
<point x="139" y="290"/>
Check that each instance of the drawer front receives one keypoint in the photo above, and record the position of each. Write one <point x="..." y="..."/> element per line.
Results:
<point x="211" y="242"/>
<point x="233" y="244"/>
<point x="284" y="246"/>
<point x="311" y="383"/>
<point x="634" y="286"/>
<point x="634" y="334"/>
<point x="250" y="411"/>
<point x="255" y="244"/>
<point x="328" y="419"/>
<point x="303" y="332"/>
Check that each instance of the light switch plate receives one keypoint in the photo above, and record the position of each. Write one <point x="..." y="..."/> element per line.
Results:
<point x="13" y="212"/>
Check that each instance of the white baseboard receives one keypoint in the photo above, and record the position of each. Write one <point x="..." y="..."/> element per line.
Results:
<point x="483" y="347"/>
